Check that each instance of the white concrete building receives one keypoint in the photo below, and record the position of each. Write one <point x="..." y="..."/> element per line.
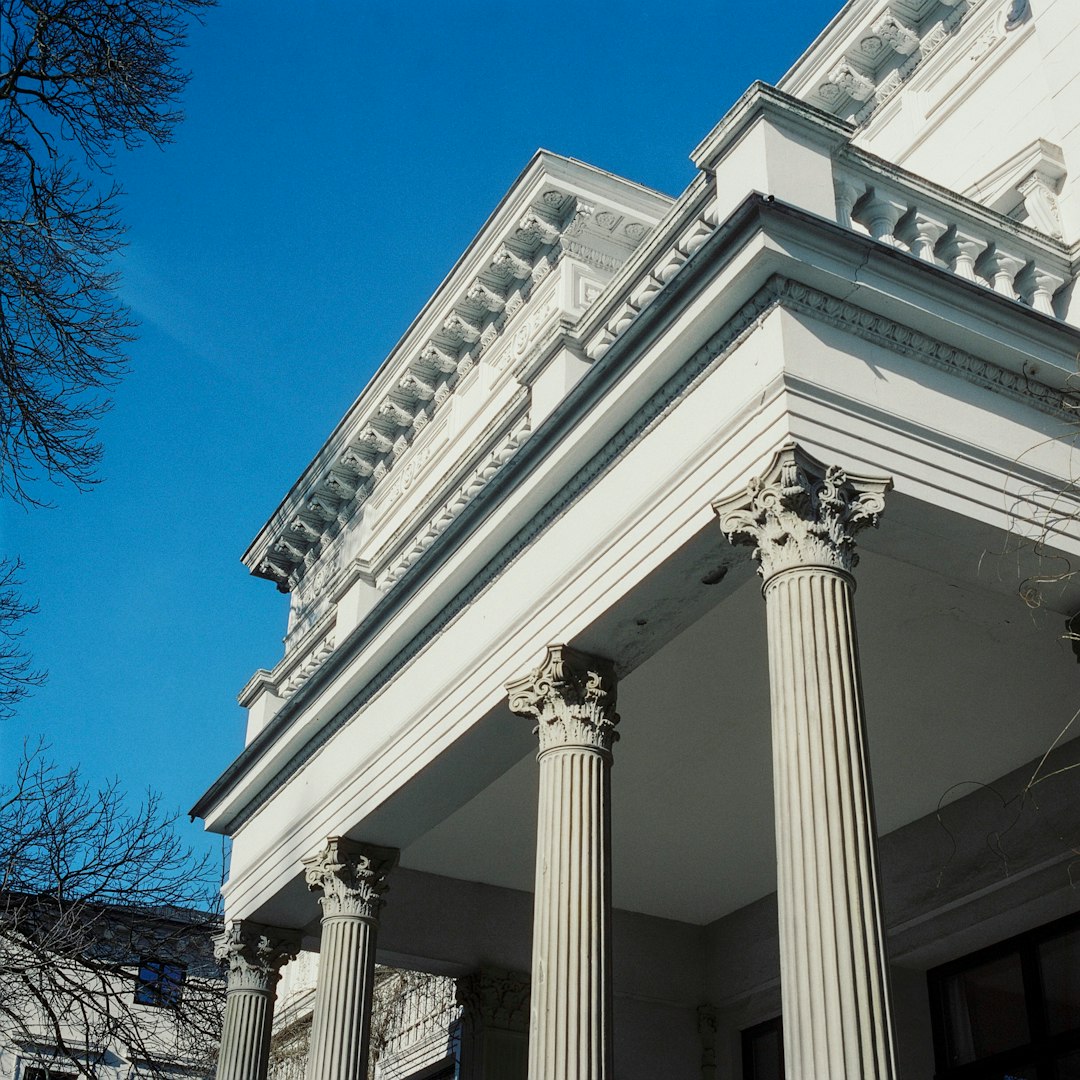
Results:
<point x="104" y="991"/>
<point x="620" y="420"/>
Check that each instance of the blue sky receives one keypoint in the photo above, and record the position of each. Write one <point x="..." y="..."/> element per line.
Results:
<point x="335" y="160"/>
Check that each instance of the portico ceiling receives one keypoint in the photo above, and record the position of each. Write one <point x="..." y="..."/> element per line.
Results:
<point x="962" y="683"/>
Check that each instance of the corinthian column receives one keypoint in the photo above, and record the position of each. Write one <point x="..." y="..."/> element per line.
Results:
<point x="254" y="955"/>
<point x="352" y="878"/>
<point x="571" y="696"/>
<point x="801" y="518"/>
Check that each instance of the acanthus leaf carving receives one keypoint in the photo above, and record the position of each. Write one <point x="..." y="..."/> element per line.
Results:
<point x="496" y="998"/>
<point x="509" y="262"/>
<point x="533" y="227"/>
<point x="571" y="696"/>
<point x="485" y="297"/>
<point x="800" y="513"/>
<point x="351" y="877"/>
<point x="440" y="359"/>
<point x="254" y="954"/>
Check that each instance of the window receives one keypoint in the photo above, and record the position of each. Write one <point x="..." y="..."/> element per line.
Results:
<point x="763" y="1051"/>
<point x="159" y="983"/>
<point x="1011" y="1012"/>
<point x="43" y="1072"/>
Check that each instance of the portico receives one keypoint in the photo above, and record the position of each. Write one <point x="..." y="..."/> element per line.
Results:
<point x="620" y="421"/>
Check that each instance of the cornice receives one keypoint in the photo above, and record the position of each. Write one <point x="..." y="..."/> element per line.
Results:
<point x="871" y="48"/>
<point x="603" y="374"/>
<point x="558" y="206"/>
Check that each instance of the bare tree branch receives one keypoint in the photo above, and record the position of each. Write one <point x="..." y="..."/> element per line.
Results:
<point x="92" y="76"/>
<point x="90" y="886"/>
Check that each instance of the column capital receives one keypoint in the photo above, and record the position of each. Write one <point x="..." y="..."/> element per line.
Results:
<point x="571" y="696"/>
<point x="496" y="998"/>
<point x="801" y="513"/>
<point x="255" y="954"/>
<point x="351" y="877"/>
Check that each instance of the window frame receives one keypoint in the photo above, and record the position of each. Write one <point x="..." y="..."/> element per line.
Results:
<point x="1042" y="1048"/>
<point x="151" y="992"/>
<point x="748" y="1035"/>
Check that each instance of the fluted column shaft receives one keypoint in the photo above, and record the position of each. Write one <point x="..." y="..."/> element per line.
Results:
<point x="834" y="981"/>
<point x="802" y="519"/>
<point x="352" y="879"/>
<point x="572" y="696"/>
<point x="254" y="956"/>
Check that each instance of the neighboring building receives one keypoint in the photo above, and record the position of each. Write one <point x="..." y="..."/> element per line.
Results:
<point x="616" y="412"/>
<point x="107" y="992"/>
<point x="416" y="1023"/>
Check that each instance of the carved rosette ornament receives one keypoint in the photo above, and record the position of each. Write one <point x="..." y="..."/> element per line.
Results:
<point x="351" y="876"/>
<point x="571" y="696"/>
<point x="254" y="955"/>
<point x="801" y="513"/>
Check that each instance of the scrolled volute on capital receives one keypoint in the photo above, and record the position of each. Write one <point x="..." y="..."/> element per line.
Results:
<point x="255" y="954"/>
<point x="351" y="877"/>
<point x="571" y="696"/>
<point x="801" y="513"/>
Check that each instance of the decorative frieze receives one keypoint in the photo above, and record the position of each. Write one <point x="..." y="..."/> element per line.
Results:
<point x="461" y="498"/>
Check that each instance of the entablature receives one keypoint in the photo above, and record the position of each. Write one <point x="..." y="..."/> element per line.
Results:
<point x="448" y="457"/>
<point x="540" y="260"/>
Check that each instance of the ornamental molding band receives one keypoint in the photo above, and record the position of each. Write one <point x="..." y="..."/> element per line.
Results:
<point x="351" y="877"/>
<point x="800" y="513"/>
<point x="255" y="954"/>
<point x="571" y="696"/>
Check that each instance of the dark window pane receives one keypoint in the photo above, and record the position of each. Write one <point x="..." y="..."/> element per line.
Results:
<point x="159" y="984"/>
<point x="1059" y="961"/>
<point x="985" y="1011"/>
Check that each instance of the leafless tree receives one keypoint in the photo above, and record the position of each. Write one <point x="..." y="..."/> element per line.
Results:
<point x="79" y="79"/>
<point x="106" y="926"/>
<point x="17" y="676"/>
